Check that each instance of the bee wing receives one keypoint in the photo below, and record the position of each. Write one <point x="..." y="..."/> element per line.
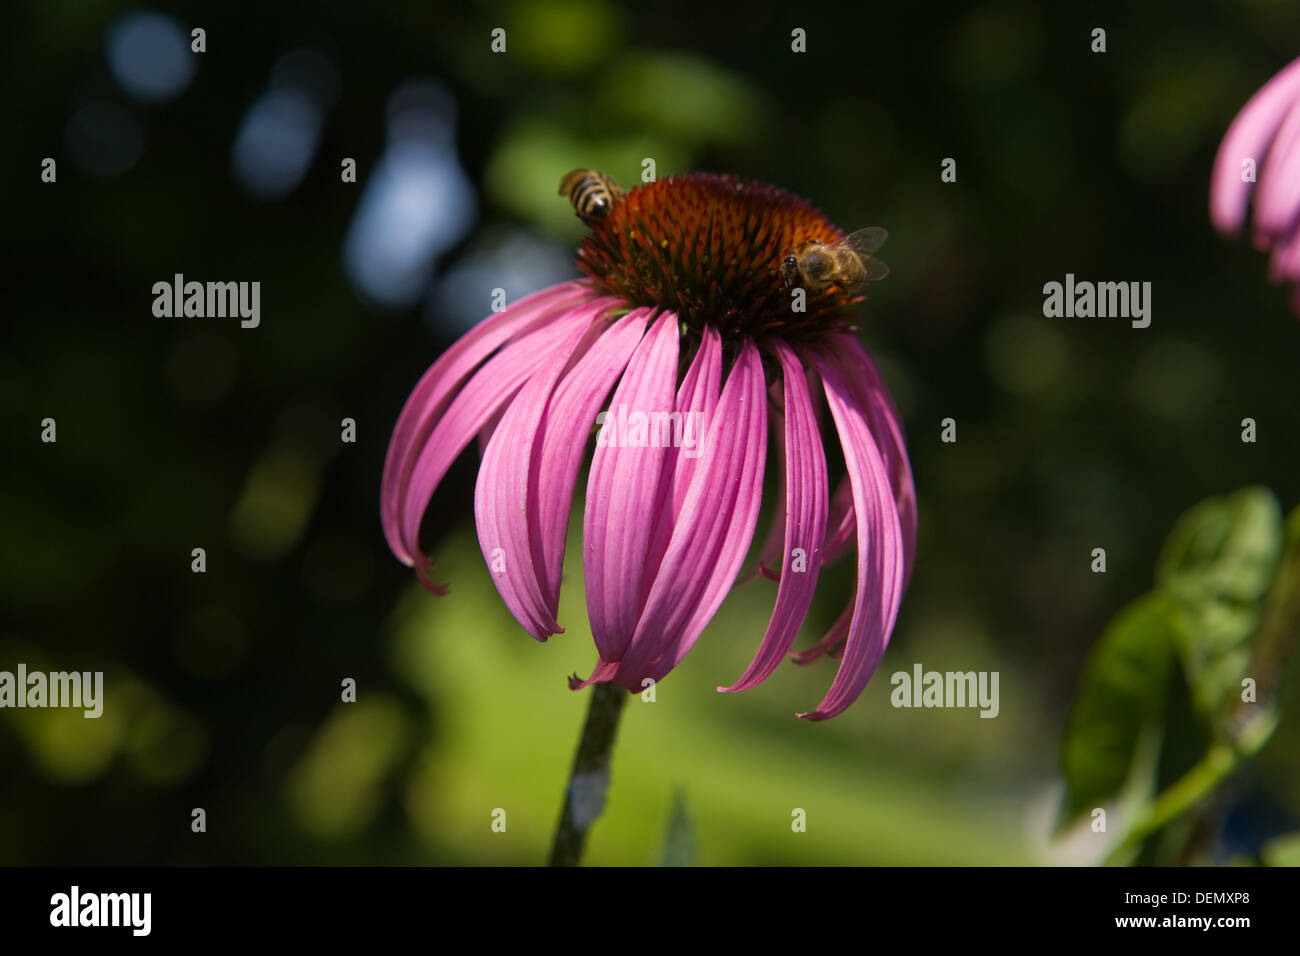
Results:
<point x="865" y="241"/>
<point x="876" y="270"/>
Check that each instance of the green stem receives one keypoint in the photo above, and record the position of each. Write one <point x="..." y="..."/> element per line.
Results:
<point x="584" y="797"/>
<point x="1215" y="767"/>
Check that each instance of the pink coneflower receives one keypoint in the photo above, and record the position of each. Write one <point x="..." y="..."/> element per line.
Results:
<point x="1258" y="165"/>
<point x="683" y="311"/>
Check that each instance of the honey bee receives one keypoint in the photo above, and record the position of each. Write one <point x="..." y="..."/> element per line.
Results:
<point x="847" y="262"/>
<point x="592" y="194"/>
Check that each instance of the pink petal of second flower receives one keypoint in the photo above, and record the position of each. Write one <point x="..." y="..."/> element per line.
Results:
<point x="1284" y="263"/>
<point x="1249" y="137"/>
<point x="806" y="493"/>
<point x="1277" y="200"/>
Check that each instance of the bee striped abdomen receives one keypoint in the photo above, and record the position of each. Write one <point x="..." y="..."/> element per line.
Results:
<point x="591" y="193"/>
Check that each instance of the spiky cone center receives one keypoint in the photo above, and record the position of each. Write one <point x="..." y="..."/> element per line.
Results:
<point x="709" y="247"/>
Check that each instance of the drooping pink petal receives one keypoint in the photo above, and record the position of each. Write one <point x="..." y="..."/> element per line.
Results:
<point x="1277" y="199"/>
<point x="491" y="387"/>
<point x="806" y="493"/>
<point x="697" y="399"/>
<point x="502" y="499"/>
<point x="842" y="523"/>
<point x="1284" y="263"/>
<point x="563" y="434"/>
<point x="621" y="491"/>
<point x="1249" y="137"/>
<point x="833" y="637"/>
<point x="713" y="532"/>
<point x="769" y="553"/>
<point x="438" y="386"/>
<point x="861" y="374"/>
<point x="880" y="543"/>
<point x="696" y="404"/>
<point x="603" y="671"/>
<point x="486" y="432"/>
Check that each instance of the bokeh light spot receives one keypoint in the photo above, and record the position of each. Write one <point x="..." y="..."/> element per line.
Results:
<point x="150" y="56"/>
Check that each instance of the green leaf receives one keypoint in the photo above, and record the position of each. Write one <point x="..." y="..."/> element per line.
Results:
<point x="1216" y="566"/>
<point x="1223" y="549"/>
<point x="1121" y="695"/>
<point x="1214" y="642"/>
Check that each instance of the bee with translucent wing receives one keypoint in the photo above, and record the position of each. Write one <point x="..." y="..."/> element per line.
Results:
<point x="847" y="262"/>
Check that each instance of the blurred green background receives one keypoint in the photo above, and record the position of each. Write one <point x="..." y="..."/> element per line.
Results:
<point x="223" y="689"/>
